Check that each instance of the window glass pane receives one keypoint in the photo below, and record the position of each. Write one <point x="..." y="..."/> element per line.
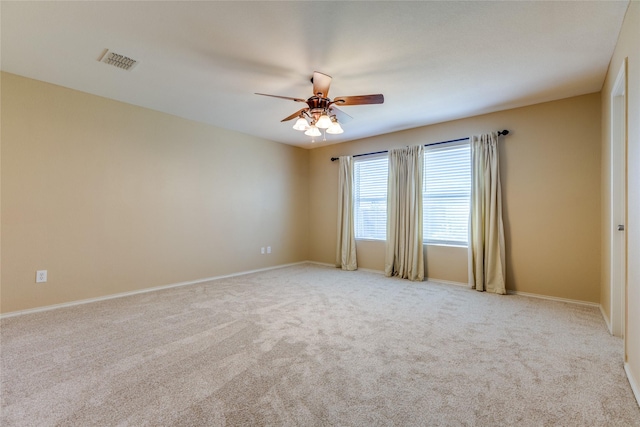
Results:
<point x="446" y="191"/>
<point x="370" y="198"/>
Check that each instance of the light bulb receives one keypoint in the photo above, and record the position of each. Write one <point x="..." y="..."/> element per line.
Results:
<point x="324" y="121"/>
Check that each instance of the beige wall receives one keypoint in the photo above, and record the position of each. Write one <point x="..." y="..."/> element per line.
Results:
<point x="111" y="198"/>
<point x="550" y="167"/>
<point x="628" y="46"/>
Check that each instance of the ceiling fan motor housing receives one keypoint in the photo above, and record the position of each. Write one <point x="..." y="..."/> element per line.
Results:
<point x="317" y="106"/>
<point x="318" y="103"/>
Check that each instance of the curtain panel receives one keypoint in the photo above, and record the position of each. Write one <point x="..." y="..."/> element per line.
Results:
<point x="487" y="269"/>
<point x="346" y="245"/>
<point x="404" y="255"/>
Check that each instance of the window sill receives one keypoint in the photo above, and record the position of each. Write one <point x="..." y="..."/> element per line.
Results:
<point x="451" y="245"/>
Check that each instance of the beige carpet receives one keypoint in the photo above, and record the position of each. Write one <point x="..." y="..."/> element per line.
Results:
<point x="310" y="345"/>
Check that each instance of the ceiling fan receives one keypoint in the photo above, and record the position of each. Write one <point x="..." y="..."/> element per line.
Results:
<point x="321" y="112"/>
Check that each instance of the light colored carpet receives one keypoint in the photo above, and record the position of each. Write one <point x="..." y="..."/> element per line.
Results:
<point x="310" y="345"/>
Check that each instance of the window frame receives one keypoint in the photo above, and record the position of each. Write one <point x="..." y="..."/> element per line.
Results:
<point x="467" y="194"/>
<point x="381" y="235"/>
<point x="356" y="206"/>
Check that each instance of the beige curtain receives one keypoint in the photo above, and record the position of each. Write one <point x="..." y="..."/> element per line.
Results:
<point x="404" y="250"/>
<point x="346" y="248"/>
<point x="486" y="232"/>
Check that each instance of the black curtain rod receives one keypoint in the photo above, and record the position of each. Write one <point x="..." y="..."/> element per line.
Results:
<point x="502" y="132"/>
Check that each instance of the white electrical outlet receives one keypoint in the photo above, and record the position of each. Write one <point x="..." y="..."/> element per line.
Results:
<point x="262" y="250"/>
<point x="268" y="249"/>
<point x="41" y="276"/>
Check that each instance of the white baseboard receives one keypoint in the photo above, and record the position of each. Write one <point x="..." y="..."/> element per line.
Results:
<point x="571" y="301"/>
<point x="635" y="386"/>
<point x="334" y="266"/>
<point x="606" y="319"/>
<point x="242" y="273"/>
<point x="370" y="270"/>
<point x="326" y="264"/>
<point x="509" y="292"/>
<point x="525" y="294"/>
<point x="140" y="291"/>
<point x="448" y="282"/>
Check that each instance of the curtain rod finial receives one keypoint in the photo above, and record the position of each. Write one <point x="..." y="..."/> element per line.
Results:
<point x="503" y="132"/>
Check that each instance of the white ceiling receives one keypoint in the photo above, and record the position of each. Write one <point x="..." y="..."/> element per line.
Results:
<point x="433" y="61"/>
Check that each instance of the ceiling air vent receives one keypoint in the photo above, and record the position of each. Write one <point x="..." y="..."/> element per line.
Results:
<point x="117" y="60"/>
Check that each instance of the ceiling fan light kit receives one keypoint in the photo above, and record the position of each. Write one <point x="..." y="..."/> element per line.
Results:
<point x="321" y="112"/>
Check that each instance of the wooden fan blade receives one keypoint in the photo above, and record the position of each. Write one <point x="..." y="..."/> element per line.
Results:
<point x="294" y="115"/>
<point x="282" y="97"/>
<point x="360" y="99"/>
<point x="340" y="115"/>
<point x="321" y="83"/>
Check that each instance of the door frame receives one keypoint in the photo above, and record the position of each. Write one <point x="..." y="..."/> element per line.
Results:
<point x="618" y="202"/>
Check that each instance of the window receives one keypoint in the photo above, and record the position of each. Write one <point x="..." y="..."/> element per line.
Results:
<point x="370" y="197"/>
<point x="446" y="191"/>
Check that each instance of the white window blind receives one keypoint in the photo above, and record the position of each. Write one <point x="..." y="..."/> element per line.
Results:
<point x="446" y="192"/>
<point x="370" y="197"/>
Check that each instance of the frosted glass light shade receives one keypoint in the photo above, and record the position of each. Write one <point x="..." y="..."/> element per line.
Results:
<point x="313" y="131"/>
<point x="323" y="122"/>
<point x="301" y="124"/>
<point x="335" y="128"/>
